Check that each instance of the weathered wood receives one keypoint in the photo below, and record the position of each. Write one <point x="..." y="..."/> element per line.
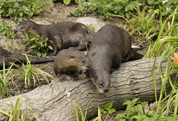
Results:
<point x="55" y="101"/>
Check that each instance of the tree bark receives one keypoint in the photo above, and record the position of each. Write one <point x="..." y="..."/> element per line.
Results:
<point x="55" y="101"/>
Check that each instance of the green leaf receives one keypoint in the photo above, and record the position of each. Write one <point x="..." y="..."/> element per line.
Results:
<point x="151" y="1"/>
<point x="66" y="2"/>
<point x="112" y="111"/>
<point x="129" y="7"/>
<point x="50" y="47"/>
<point x="108" y="106"/>
<point x="120" y="116"/>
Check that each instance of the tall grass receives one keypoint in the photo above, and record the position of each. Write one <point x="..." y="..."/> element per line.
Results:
<point x="14" y="113"/>
<point x="80" y="116"/>
<point x="29" y="73"/>
<point x="5" y="78"/>
<point x="166" y="45"/>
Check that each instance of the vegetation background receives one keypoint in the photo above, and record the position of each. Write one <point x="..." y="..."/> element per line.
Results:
<point x="151" y="23"/>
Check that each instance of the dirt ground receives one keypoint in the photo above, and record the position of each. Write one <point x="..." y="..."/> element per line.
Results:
<point x="59" y="12"/>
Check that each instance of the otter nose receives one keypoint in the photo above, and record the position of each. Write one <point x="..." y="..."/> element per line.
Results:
<point x="106" y="90"/>
<point x="15" y="31"/>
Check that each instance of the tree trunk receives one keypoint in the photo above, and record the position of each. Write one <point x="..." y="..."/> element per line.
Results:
<point x="55" y="101"/>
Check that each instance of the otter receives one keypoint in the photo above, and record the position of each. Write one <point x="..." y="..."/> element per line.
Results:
<point x="70" y="61"/>
<point x="110" y="46"/>
<point x="18" y="58"/>
<point x="61" y="35"/>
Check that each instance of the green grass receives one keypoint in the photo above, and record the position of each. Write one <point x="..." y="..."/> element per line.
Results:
<point x="28" y="73"/>
<point x="166" y="45"/>
<point x="5" y="77"/>
<point x="14" y="112"/>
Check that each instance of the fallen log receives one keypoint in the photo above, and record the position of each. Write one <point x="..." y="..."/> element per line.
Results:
<point x="55" y="101"/>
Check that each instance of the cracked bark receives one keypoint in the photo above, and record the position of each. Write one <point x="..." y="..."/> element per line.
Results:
<point x="54" y="102"/>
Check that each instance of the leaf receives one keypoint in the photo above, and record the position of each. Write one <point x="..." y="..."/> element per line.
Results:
<point x="151" y="1"/>
<point x="66" y="2"/>
<point x="50" y="47"/>
<point x="103" y="111"/>
<point x="120" y="116"/>
<point x="129" y="7"/>
<point x="33" y="46"/>
<point x="112" y="111"/>
<point x="108" y="106"/>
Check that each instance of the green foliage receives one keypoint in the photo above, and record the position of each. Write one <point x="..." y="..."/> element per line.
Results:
<point x="76" y="107"/>
<point x="5" y="78"/>
<point x="107" y="110"/>
<point x="14" y="111"/>
<point x="38" y="45"/>
<point x="106" y="8"/>
<point x="166" y="45"/>
<point x="29" y="73"/>
<point x="17" y="9"/>
<point x="91" y="27"/>
<point x="135" y="111"/>
<point x="143" y="23"/>
<point x="67" y="2"/>
<point x="6" y="30"/>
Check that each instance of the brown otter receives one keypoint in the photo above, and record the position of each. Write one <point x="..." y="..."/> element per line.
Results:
<point x="18" y="58"/>
<point x="60" y="35"/>
<point x="70" y="61"/>
<point x="110" y="46"/>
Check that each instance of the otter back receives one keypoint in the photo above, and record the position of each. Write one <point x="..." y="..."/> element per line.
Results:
<point x="18" y="58"/>
<point x="70" y="61"/>
<point x="60" y="35"/>
<point x="109" y="46"/>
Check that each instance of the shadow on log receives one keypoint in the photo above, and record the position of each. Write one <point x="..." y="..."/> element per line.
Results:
<point x="55" y="101"/>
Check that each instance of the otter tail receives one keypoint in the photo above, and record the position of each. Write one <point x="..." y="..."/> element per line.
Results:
<point x="35" y="60"/>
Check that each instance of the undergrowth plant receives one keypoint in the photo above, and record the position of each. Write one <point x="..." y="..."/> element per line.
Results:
<point x="28" y="73"/>
<point x="135" y="111"/>
<point x="18" y="9"/>
<point x="80" y="116"/>
<point x="166" y="45"/>
<point x="5" y="77"/>
<point x="106" y="110"/>
<point x="143" y="24"/>
<point x="106" y="8"/>
<point x="14" y="112"/>
<point x="37" y="44"/>
<point x="67" y="2"/>
<point x="6" y="30"/>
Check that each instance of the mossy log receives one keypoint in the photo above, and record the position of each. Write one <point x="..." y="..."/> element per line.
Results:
<point x="54" y="102"/>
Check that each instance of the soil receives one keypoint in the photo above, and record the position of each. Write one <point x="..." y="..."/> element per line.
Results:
<point x="59" y="12"/>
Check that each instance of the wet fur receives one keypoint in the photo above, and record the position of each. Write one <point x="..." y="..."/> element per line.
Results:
<point x="18" y="58"/>
<point x="70" y="61"/>
<point x="110" y="46"/>
<point x="60" y="35"/>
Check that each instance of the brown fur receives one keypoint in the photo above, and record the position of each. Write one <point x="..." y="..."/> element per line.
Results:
<point x="18" y="58"/>
<point x="109" y="47"/>
<point x="70" y="61"/>
<point x="60" y="35"/>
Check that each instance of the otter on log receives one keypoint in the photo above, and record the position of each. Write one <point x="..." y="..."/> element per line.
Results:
<point x="70" y="61"/>
<point x="60" y="35"/>
<point x="110" y="46"/>
<point x="18" y="58"/>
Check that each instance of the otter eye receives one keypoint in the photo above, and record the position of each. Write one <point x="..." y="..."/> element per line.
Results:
<point x="83" y="61"/>
<point x="21" y="27"/>
<point x="100" y="84"/>
<point x="72" y="56"/>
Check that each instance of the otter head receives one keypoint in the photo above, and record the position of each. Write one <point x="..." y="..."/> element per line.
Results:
<point x="24" y="26"/>
<point x="101" y="79"/>
<point x="83" y="63"/>
<point x="78" y="61"/>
